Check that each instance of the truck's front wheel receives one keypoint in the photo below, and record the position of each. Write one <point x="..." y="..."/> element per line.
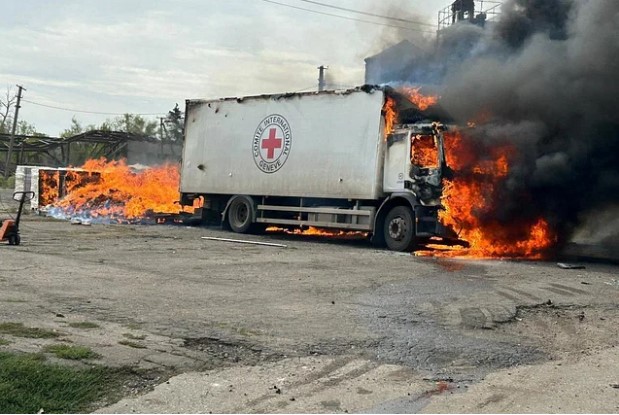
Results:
<point x="399" y="229"/>
<point x="240" y="215"/>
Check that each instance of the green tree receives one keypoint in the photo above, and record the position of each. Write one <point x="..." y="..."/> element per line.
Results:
<point x="174" y="125"/>
<point x="76" y="128"/>
<point x="25" y="128"/>
<point x="132" y="123"/>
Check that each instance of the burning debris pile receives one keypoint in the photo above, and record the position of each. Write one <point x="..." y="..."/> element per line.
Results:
<point x="112" y="192"/>
<point x="540" y="89"/>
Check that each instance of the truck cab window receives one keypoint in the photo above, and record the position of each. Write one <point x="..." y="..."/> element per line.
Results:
<point x="424" y="151"/>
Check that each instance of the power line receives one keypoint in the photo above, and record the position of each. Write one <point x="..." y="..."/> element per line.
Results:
<point x="88" y="112"/>
<point x="349" y="18"/>
<point x="368" y="13"/>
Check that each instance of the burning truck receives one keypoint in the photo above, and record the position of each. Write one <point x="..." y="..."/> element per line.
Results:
<point x="366" y="161"/>
<point x="334" y="160"/>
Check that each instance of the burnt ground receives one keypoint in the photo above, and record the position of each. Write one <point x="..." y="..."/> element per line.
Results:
<point x="334" y="326"/>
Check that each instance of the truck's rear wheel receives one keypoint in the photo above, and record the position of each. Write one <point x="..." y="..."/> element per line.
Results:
<point x="240" y="215"/>
<point x="399" y="229"/>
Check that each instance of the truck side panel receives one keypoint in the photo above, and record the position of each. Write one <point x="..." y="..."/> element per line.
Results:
<point x="326" y="145"/>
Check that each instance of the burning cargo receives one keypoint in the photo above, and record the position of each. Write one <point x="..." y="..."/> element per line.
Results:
<point x="50" y="184"/>
<point x="107" y="192"/>
<point x="330" y="160"/>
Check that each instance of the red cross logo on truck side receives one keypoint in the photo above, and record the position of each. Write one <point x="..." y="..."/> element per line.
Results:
<point x="271" y="144"/>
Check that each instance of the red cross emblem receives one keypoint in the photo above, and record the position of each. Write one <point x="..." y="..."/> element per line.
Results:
<point x="271" y="144"/>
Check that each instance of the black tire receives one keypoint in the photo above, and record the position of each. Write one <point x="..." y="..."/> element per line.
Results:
<point x="14" y="239"/>
<point x="240" y="215"/>
<point x="399" y="229"/>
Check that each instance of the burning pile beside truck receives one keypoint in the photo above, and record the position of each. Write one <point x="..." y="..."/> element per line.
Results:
<point x="103" y="191"/>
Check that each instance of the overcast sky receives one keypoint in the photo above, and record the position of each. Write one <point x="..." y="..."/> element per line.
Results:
<point x="144" y="56"/>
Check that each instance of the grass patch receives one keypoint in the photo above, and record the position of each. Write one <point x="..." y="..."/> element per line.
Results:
<point x="14" y="300"/>
<point x="19" y="330"/>
<point x="134" y="336"/>
<point x="4" y="342"/>
<point x="133" y="326"/>
<point x="28" y="383"/>
<point x="133" y="344"/>
<point x="66" y="351"/>
<point x="84" y="325"/>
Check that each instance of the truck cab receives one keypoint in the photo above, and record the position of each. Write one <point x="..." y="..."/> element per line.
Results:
<point x="415" y="161"/>
<point x="413" y="176"/>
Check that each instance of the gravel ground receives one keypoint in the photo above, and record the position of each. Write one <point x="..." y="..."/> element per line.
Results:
<point x="333" y="325"/>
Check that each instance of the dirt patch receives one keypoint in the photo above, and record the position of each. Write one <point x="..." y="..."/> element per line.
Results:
<point x="566" y="330"/>
<point x="321" y="384"/>
<point x="221" y="353"/>
<point x="580" y="375"/>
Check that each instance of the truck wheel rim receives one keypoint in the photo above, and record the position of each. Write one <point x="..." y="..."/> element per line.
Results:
<point x="241" y="214"/>
<point x="397" y="229"/>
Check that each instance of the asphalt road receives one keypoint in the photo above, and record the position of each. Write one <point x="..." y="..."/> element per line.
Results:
<point x="334" y="325"/>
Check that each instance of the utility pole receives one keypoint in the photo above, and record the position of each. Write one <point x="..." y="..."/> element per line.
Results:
<point x="9" y="153"/>
<point x="321" y="77"/>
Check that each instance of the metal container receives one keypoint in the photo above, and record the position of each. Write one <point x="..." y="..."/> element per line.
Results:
<point x="319" y="145"/>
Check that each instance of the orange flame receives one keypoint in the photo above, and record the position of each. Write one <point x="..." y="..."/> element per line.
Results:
<point x="114" y="190"/>
<point x="390" y="113"/>
<point x="320" y="232"/>
<point x="424" y="152"/>
<point x="470" y="194"/>
<point x="423" y="102"/>
<point x="48" y="189"/>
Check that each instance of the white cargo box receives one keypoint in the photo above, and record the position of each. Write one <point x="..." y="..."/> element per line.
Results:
<point x="326" y="144"/>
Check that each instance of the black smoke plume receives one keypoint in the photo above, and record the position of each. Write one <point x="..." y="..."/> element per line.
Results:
<point x="544" y="78"/>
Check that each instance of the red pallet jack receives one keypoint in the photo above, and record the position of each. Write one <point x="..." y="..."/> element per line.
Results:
<point x="10" y="228"/>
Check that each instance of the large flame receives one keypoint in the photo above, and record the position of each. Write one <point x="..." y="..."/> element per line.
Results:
<point x="114" y="190"/>
<point x="469" y="200"/>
